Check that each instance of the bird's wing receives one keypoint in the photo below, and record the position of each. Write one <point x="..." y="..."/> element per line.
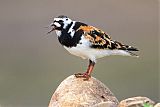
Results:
<point x="100" y="40"/>
<point x="96" y="36"/>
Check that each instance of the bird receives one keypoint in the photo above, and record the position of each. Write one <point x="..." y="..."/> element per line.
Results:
<point x="87" y="42"/>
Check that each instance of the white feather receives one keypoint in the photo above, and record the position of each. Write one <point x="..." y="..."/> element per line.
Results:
<point x="71" y="30"/>
<point x="58" y="32"/>
<point x="57" y="24"/>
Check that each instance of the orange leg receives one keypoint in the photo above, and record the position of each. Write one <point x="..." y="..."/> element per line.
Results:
<point x="87" y="74"/>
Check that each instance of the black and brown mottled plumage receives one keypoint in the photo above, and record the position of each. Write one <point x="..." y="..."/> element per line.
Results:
<point x="101" y="40"/>
<point x="87" y="42"/>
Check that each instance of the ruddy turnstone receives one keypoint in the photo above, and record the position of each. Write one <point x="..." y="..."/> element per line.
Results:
<point x="87" y="42"/>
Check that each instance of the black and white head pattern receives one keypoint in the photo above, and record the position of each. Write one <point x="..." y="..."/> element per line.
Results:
<point x="61" y="22"/>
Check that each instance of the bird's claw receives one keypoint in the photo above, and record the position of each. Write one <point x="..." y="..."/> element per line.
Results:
<point x="83" y="75"/>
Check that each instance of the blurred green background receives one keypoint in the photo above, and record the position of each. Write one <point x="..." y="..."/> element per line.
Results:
<point x="32" y="64"/>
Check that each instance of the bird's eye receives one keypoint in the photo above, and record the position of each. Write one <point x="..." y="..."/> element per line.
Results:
<point x="60" y="21"/>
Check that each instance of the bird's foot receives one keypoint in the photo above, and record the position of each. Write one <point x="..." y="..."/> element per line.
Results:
<point x="83" y="75"/>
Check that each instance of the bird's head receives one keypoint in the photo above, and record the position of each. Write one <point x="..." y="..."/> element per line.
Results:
<point x="59" y="23"/>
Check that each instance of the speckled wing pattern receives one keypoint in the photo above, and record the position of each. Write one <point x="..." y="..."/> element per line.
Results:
<point x="101" y="40"/>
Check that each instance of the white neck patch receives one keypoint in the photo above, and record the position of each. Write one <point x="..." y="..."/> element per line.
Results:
<point x="58" y="33"/>
<point x="71" y="30"/>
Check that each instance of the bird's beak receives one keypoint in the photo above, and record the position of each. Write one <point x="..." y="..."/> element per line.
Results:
<point x="52" y="26"/>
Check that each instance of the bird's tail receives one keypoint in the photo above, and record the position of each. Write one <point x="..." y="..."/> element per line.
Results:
<point x="126" y="48"/>
<point x="132" y="53"/>
<point x="130" y="50"/>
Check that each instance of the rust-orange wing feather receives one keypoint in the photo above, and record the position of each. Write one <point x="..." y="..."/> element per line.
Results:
<point x="96" y="36"/>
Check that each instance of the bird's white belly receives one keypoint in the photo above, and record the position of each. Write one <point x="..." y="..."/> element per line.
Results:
<point x="82" y="50"/>
<point x="77" y="51"/>
<point x="93" y="54"/>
